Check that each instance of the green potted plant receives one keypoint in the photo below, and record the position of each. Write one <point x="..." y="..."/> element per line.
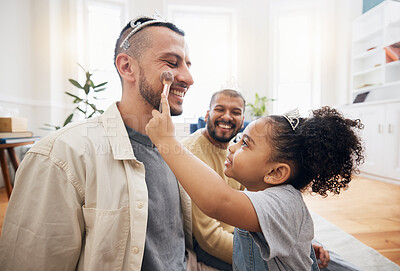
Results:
<point x="259" y="107"/>
<point x="83" y="103"/>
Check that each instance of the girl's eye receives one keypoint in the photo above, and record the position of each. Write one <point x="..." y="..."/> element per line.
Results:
<point x="237" y="138"/>
<point x="244" y="143"/>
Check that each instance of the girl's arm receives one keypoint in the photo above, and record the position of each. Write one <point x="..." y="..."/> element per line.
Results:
<point x="206" y="188"/>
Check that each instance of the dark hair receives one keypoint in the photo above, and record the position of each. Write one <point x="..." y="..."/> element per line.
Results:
<point x="228" y="92"/>
<point x="140" y="41"/>
<point x="323" y="150"/>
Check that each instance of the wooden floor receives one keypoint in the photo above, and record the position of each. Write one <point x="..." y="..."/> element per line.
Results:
<point x="369" y="210"/>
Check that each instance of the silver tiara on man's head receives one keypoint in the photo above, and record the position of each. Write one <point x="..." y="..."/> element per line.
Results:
<point x="293" y="117"/>
<point x="141" y="22"/>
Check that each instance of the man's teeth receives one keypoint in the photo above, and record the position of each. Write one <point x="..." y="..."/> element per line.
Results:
<point x="225" y="126"/>
<point x="179" y="93"/>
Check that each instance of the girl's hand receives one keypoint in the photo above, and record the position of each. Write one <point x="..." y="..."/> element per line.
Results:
<point x="160" y="127"/>
<point x="322" y="255"/>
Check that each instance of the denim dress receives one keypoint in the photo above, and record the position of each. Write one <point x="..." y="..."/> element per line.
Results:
<point x="247" y="256"/>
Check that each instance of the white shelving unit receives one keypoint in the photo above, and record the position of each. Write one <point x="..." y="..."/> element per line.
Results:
<point x="372" y="32"/>
<point x="380" y="112"/>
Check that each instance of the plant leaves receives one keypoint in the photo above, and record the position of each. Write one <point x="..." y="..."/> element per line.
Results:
<point x="81" y="110"/>
<point x="100" y="85"/>
<point x="91" y="114"/>
<point x="53" y="127"/>
<point x="90" y="83"/>
<point x="86" y="88"/>
<point x="75" y="83"/>
<point x="70" y="94"/>
<point x="82" y="67"/>
<point x="92" y="106"/>
<point x="68" y="120"/>
<point x="100" y="89"/>
<point x="259" y="107"/>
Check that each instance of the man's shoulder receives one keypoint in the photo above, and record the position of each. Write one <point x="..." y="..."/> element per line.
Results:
<point x="193" y="140"/>
<point x="72" y="136"/>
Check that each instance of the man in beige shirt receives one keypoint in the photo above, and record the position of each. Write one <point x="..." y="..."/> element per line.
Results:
<point x="213" y="240"/>
<point x="85" y="196"/>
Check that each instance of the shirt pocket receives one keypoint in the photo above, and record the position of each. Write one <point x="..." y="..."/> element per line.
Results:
<point x="106" y="238"/>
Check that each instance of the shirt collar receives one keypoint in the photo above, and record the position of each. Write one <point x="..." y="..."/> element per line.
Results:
<point x="138" y="137"/>
<point x="117" y="134"/>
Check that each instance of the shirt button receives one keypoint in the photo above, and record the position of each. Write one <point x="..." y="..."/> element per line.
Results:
<point x="135" y="250"/>
<point x="140" y="205"/>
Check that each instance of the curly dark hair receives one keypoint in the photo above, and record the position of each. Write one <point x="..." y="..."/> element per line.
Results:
<point x="323" y="151"/>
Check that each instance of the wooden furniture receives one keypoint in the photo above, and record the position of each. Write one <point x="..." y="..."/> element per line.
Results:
<point x="14" y="161"/>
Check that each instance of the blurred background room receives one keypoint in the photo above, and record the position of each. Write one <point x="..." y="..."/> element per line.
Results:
<point x="289" y="53"/>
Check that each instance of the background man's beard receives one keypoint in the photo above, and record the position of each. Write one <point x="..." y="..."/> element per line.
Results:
<point x="212" y="133"/>
<point x="152" y="97"/>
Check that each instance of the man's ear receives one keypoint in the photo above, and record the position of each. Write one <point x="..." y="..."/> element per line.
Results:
<point x="206" y="116"/>
<point x="278" y="174"/>
<point x="126" y="69"/>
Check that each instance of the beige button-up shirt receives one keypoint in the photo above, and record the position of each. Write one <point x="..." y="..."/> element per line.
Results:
<point x="80" y="202"/>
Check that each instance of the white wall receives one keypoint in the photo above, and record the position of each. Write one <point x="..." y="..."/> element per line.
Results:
<point x="254" y="55"/>
<point x="36" y="60"/>
<point x="336" y="83"/>
<point x="38" y="52"/>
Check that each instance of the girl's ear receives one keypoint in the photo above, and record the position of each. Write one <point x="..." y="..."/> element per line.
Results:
<point x="126" y="69"/>
<point x="279" y="174"/>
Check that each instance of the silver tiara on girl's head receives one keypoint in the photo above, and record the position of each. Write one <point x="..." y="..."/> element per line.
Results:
<point x="141" y="22"/>
<point x="292" y="117"/>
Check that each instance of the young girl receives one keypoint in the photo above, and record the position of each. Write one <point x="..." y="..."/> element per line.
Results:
<point x="276" y="158"/>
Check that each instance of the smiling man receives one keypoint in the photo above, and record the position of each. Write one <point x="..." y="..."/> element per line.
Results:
<point x="96" y="195"/>
<point x="224" y="118"/>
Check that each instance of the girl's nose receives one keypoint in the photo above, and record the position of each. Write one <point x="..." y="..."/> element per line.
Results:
<point x="232" y="147"/>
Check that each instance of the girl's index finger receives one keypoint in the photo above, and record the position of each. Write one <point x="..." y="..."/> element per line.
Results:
<point x="165" y="104"/>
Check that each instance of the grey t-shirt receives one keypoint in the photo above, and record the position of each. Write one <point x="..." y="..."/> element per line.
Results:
<point x="287" y="228"/>
<point x="165" y="238"/>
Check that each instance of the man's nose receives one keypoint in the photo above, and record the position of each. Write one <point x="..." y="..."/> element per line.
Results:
<point x="185" y="76"/>
<point x="227" y="116"/>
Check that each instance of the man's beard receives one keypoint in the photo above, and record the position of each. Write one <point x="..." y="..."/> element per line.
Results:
<point x="151" y="96"/>
<point x="211" y="131"/>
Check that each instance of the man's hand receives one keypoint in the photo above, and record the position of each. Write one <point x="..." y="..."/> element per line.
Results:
<point x="161" y="126"/>
<point x="322" y="256"/>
